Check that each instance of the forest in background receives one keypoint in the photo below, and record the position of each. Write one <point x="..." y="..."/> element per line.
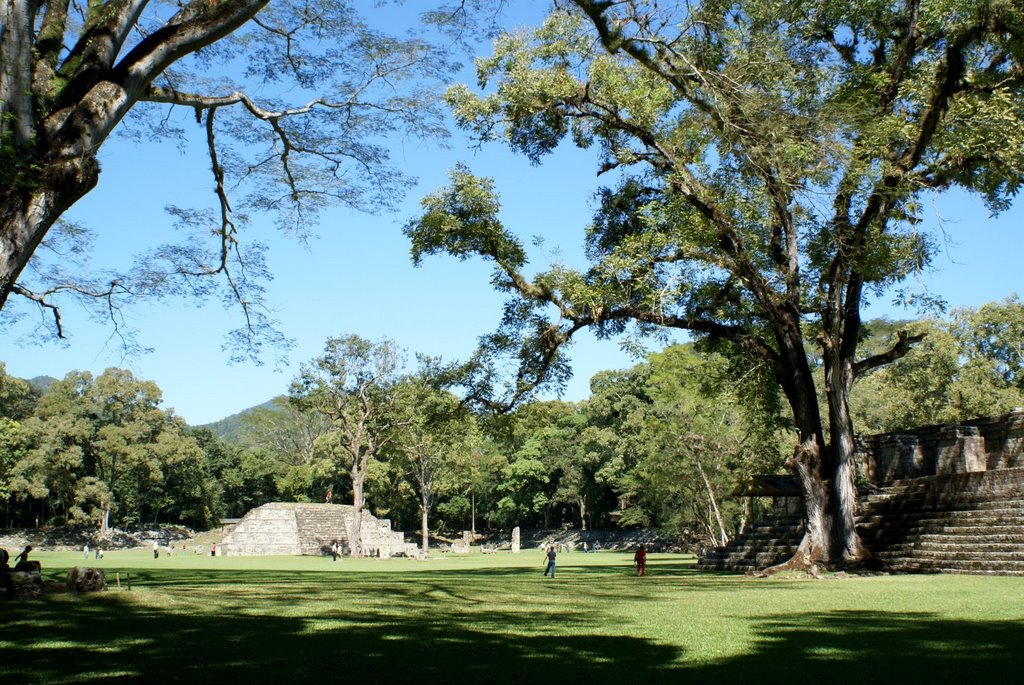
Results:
<point x="660" y="445"/>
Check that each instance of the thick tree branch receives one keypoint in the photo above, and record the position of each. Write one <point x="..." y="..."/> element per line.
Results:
<point x="106" y="29"/>
<point x="904" y="344"/>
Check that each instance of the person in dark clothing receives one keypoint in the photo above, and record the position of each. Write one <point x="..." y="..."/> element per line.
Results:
<point x="550" y="568"/>
<point x="23" y="556"/>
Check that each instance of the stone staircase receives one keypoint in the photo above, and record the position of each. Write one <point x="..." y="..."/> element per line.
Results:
<point x="320" y="525"/>
<point x="956" y="523"/>
<point x="969" y="523"/>
<point x="768" y="542"/>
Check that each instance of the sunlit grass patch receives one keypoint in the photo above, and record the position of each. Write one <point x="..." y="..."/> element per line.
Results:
<point x="496" y="619"/>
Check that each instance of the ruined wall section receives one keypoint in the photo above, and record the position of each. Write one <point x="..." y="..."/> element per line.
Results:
<point x="986" y="444"/>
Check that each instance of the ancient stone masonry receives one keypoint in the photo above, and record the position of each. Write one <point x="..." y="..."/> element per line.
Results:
<point x="939" y="499"/>
<point x="986" y="444"/>
<point x="300" y="528"/>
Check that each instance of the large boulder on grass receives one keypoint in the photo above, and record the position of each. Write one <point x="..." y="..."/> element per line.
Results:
<point x="86" y="579"/>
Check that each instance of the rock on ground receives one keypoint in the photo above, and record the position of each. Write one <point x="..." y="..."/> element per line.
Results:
<point x="86" y="579"/>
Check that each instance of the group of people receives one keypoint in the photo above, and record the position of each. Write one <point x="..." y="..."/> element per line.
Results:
<point x="639" y="560"/>
<point x="98" y="551"/>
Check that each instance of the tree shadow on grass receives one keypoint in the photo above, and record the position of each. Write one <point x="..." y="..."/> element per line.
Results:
<point x="867" y="647"/>
<point x="442" y="626"/>
<point x="117" y="639"/>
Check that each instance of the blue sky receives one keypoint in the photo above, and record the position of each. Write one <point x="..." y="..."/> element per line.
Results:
<point x="357" y="277"/>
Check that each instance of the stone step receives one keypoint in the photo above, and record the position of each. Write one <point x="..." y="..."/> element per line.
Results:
<point x="1008" y="568"/>
<point x="1015" y="547"/>
<point x="760" y="560"/>
<point x="979" y="481"/>
<point x="977" y="508"/>
<point x="977" y="544"/>
<point x="916" y="528"/>
<point x="948" y="490"/>
<point x="749" y="548"/>
<point x="958" y="518"/>
<point x="767" y="554"/>
<point x="953" y="551"/>
<point x="775" y="533"/>
<point x="734" y="568"/>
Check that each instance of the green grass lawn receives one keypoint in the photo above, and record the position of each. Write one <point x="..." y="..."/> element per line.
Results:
<point x="494" y="619"/>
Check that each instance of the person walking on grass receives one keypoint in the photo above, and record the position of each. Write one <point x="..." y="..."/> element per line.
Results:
<point x="550" y="568"/>
<point x="640" y="559"/>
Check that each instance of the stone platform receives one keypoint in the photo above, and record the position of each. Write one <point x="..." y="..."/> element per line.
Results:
<point x="294" y="528"/>
<point x="944" y="499"/>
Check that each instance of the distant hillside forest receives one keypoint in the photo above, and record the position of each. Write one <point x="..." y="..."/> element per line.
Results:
<point x="232" y="428"/>
<point x="661" y="444"/>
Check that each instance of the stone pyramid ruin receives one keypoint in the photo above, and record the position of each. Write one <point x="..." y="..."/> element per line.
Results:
<point x="306" y="528"/>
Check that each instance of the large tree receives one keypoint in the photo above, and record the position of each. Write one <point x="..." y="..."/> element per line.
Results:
<point x="291" y="100"/>
<point x="769" y="161"/>
<point x="436" y="429"/>
<point x="354" y="385"/>
<point x="100" y="450"/>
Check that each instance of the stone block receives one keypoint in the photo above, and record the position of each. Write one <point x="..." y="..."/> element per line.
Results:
<point x="24" y="584"/>
<point x="959" y="449"/>
<point x="900" y="456"/>
<point x="85" y="579"/>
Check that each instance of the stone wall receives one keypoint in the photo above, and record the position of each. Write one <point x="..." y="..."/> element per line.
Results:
<point x="946" y="499"/>
<point x="300" y="528"/>
<point x="954" y="523"/>
<point x="986" y="444"/>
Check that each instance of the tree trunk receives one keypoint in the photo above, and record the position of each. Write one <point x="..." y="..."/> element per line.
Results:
<point x="713" y="502"/>
<point x="472" y="513"/>
<point x="27" y="216"/>
<point x="744" y="516"/>
<point x="582" y="501"/>
<point x="815" y="550"/>
<point x="811" y="460"/>
<point x="839" y="384"/>
<point x="355" y="541"/>
<point x="424" y="528"/>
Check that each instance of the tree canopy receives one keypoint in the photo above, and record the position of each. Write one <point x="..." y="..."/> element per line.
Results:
<point x="659" y="445"/>
<point x="768" y="162"/>
<point x="292" y="103"/>
<point x="354" y="384"/>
